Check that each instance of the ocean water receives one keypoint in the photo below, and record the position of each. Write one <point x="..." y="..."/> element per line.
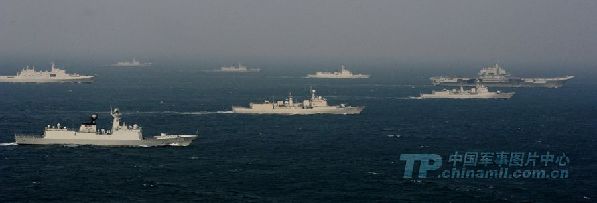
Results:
<point x="289" y="158"/>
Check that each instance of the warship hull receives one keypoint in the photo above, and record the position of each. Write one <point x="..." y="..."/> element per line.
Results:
<point x="130" y="65"/>
<point x="9" y="79"/>
<point x="456" y="96"/>
<point x="236" y="71"/>
<point x="338" y="76"/>
<point x="510" y="82"/>
<point x="148" y="142"/>
<point x="299" y="111"/>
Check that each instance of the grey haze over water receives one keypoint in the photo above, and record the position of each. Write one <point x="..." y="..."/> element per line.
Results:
<point x="541" y="33"/>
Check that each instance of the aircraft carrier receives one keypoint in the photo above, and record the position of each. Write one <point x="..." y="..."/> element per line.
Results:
<point x="496" y="76"/>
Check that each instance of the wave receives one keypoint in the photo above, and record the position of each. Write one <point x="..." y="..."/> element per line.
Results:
<point x="410" y="97"/>
<point x="180" y="112"/>
<point x="154" y="112"/>
<point x="8" y="144"/>
<point x="205" y="112"/>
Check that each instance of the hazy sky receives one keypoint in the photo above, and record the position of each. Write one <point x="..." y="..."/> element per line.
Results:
<point x="515" y="31"/>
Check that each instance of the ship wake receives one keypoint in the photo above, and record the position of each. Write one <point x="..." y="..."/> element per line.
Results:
<point x="409" y="97"/>
<point x="156" y="112"/>
<point x="183" y="112"/>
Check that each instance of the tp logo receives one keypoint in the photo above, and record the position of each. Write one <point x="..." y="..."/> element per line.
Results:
<point x="428" y="162"/>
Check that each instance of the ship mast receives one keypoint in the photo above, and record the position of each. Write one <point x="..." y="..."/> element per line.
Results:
<point x="116" y="121"/>
<point x="290" y="101"/>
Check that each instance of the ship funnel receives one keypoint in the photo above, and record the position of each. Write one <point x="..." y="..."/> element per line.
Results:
<point x="93" y="118"/>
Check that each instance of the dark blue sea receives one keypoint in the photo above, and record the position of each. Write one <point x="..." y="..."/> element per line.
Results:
<point x="268" y="158"/>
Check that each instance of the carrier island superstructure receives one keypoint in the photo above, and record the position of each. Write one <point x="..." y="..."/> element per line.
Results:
<point x="313" y="105"/>
<point x="120" y="134"/>
<point x="30" y="75"/>
<point x="496" y="76"/>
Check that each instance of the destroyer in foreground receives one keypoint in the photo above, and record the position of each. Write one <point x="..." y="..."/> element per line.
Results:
<point x="341" y="74"/>
<point x="478" y="92"/>
<point x="88" y="134"/>
<point x="29" y="75"/>
<point x="314" y="105"/>
<point x="496" y="76"/>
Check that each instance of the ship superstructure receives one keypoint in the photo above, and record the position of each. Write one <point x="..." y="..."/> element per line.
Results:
<point x="314" y="105"/>
<point x="132" y="63"/>
<point x="120" y="134"/>
<point x="477" y="92"/>
<point x="30" y="75"/>
<point x="496" y="76"/>
<point x="343" y="73"/>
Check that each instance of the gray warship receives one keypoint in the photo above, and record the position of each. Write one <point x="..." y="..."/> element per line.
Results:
<point x="29" y="75"/>
<point x="477" y="92"/>
<point x="237" y="68"/>
<point x="343" y="73"/>
<point x="121" y="134"/>
<point x="132" y="63"/>
<point x="314" y="105"/>
<point x="496" y="76"/>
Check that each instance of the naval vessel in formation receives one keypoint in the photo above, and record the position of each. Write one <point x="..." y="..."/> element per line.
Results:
<point x="496" y="76"/>
<point x="314" y="105"/>
<point x="477" y="92"/>
<point x="341" y="74"/>
<point x="29" y="75"/>
<point x="133" y="63"/>
<point x="121" y="134"/>
<point x="237" y="68"/>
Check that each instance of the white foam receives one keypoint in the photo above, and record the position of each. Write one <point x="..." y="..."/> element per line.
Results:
<point x="204" y="112"/>
<point x="8" y="144"/>
<point x="409" y="97"/>
<point x="183" y="112"/>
